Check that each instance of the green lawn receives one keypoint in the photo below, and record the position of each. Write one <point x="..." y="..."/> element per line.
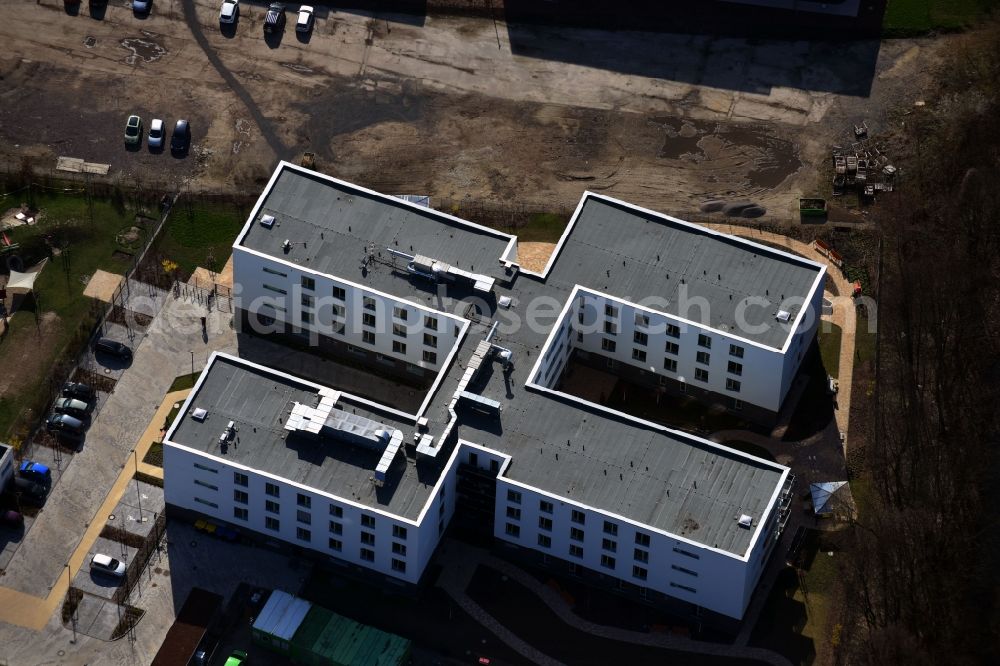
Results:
<point x="796" y="620"/>
<point x="829" y="347"/>
<point x="155" y="454"/>
<point x="86" y="236"/>
<point x="174" y="411"/>
<point x="542" y="228"/>
<point x="864" y="340"/>
<point x="914" y="16"/>
<point x="201" y="234"/>
<point x="183" y="382"/>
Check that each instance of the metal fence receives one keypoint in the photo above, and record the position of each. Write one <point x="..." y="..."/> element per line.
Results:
<point x="209" y="294"/>
<point x="119" y="304"/>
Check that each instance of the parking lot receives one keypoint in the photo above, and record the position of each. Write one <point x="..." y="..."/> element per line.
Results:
<point x="458" y="108"/>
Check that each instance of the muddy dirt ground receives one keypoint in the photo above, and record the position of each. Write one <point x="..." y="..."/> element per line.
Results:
<point x="447" y="106"/>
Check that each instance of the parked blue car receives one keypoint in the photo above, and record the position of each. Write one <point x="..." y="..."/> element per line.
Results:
<point x="35" y="472"/>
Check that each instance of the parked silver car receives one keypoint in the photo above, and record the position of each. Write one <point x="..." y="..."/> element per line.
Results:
<point x="230" y="12"/>
<point x="77" y="408"/>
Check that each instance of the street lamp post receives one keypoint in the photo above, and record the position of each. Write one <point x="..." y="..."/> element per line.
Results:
<point x="138" y="491"/>
<point x="73" y="616"/>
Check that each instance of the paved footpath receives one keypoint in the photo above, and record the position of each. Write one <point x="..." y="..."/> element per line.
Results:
<point x="459" y="561"/>
<point x="844" y="313"/>
<point x="34" y="612"/>
<point x="53" y="551"/>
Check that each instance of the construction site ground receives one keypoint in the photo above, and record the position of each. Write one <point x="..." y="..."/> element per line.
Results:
<point x="454" y="107"/>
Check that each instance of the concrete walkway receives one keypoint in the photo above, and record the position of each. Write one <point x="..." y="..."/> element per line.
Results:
<point x="844" y="314"/>
<point x="460" y="560"/>
<point x="33" y="612"/>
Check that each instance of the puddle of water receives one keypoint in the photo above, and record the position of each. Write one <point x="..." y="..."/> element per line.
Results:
<point x="142" y="49"/>
<point x="681" y="138"/>
<point x="768" y="159"/>
<point x="775" y="159"/>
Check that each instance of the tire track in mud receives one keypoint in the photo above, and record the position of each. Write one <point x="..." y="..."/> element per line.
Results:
<point x="278" y="147"/>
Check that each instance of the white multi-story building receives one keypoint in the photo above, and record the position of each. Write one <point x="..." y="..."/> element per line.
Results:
<point x="499" y="435"/>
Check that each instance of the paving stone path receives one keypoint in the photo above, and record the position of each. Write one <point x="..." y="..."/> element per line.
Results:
<point x="460" y="561"/>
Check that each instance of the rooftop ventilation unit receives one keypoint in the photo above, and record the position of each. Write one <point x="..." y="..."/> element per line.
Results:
<point x="327" y="422"/>
<point x="227" y="434"/>
<point x="287" y="245"/>
<point x="745" y="520"/>
<point x="438" y="271"/>
<point x="267" y="221"/>
<point x="199" y="414"/>
<point x="504" y="301"/>
<point x="783" y="316"/>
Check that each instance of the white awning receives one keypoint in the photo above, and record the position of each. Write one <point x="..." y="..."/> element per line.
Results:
<point x="24" y="282"/>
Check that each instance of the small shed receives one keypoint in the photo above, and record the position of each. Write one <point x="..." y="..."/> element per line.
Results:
<point x="328" y="639"/>
<point x="278" y="621"/>
<point x="314" y="636"/>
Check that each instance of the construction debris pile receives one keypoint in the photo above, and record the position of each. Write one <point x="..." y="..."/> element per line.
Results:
<point x="863" y="167"/>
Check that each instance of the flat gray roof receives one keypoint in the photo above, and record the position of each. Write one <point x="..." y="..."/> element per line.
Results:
<point x="613" y="462"/>
<point x="569" y="448"/>
<point x="259" y="402"/>
<point x="633" y="254"/>
<point x="331" y="226"/>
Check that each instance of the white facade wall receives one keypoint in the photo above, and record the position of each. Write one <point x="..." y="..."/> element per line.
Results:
<point x="188" y="481"/>
<point x="557" y="353"/>
<point x="258" y="277"/>
<point x="706" y="577"/>
<point x="803" y="336"/>
<point x="759" y="364"/>
<point x="439" y="511"/>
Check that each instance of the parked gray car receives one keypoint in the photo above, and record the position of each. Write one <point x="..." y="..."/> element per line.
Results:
<point x="77" y="408"/>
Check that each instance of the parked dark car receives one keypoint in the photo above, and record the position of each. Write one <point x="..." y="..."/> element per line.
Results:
<point x="180" y="140"/>
<point x="11" y="519"/>
<point x="113" y="348"/>
<point x="78" y="391"/>
<point x="29" y="490"/>
<point x="35" y="472"/>
<point x="274" y="19"/>
<point x="64" y="425"/>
